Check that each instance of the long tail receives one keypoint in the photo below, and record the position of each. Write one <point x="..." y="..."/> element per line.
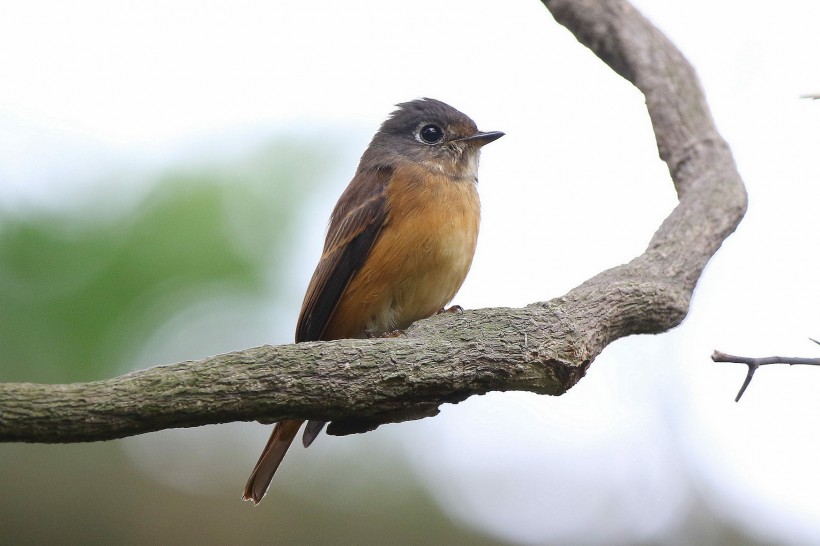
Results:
<point x="283" y="434"/>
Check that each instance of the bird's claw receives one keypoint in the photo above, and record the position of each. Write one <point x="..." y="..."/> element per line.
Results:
<point x="370" y="334"/>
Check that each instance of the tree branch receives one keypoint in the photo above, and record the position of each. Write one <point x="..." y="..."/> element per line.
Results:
<point x="755" y="363"/>
<point x="544" y="348"/>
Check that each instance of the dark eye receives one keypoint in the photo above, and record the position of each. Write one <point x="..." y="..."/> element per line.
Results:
<point x="431" y="134"/>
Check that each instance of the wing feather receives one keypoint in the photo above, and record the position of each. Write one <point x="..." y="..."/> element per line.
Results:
<point x="355" y="224"/>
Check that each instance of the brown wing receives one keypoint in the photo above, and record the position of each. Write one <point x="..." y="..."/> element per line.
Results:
<point x="355" y="225"/>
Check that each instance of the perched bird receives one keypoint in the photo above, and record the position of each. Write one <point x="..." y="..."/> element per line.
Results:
<point x="400" y="242"/>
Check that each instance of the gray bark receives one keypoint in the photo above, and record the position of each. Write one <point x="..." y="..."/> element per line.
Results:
<point x="543" y="348"/>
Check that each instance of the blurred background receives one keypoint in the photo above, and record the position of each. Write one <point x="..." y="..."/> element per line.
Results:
<point x="166" y="174"/>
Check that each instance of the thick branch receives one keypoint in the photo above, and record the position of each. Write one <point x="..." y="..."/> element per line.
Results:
<point x="355" y="383"/>
<point x="543" y="348"/>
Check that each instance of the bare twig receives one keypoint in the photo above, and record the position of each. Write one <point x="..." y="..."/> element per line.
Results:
<point x="754" y="363"/>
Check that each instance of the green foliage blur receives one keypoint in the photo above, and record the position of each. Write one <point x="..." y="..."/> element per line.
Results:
<point x="81" y="293"/>
<point x="81" y="290"/>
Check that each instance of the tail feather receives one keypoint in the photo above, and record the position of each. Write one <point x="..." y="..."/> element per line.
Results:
<point x="283" y="434"/>
<point x="312" y="430"/>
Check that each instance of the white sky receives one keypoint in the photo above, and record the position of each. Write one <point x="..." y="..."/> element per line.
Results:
<point x="575" y="187"/>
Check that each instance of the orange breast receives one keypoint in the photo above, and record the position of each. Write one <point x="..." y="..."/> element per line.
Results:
<point x="419" y="261"/>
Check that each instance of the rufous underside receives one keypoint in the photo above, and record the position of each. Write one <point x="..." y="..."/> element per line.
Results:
<point x="414" y="263"/>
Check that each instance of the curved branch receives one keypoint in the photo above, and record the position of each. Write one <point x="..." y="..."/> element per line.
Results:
<point x="544" y="347"/>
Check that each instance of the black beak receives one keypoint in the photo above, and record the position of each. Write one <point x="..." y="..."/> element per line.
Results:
<point x="481" y="138"/>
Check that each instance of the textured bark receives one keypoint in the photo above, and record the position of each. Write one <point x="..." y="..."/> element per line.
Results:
<point x="543" y="348"/>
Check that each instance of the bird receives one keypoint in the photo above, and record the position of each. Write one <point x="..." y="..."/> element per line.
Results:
<point x="399" y="243"/>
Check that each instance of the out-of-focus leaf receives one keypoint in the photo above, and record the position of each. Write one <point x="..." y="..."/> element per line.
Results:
<point x="80" y="291"/>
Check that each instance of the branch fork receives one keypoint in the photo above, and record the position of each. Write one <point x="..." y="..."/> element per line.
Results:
<point x="755" y="363"/>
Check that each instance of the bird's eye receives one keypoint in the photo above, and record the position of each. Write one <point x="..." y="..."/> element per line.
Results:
<point x="431" y="134"/>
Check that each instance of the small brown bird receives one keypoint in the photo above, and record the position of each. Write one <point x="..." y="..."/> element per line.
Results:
<point x="400" y="242"/>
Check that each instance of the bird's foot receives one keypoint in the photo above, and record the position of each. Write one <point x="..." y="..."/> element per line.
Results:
<point x="370" y="334"/>
<point x="451" y="309"/>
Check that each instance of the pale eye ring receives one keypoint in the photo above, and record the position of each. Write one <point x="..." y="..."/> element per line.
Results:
<point x="431" y="134"/>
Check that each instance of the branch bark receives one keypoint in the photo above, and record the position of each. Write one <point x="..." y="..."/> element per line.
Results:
<point x="543" y="348"/>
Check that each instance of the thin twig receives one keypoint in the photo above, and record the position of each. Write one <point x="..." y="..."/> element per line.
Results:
<point x="754" y="363"/>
